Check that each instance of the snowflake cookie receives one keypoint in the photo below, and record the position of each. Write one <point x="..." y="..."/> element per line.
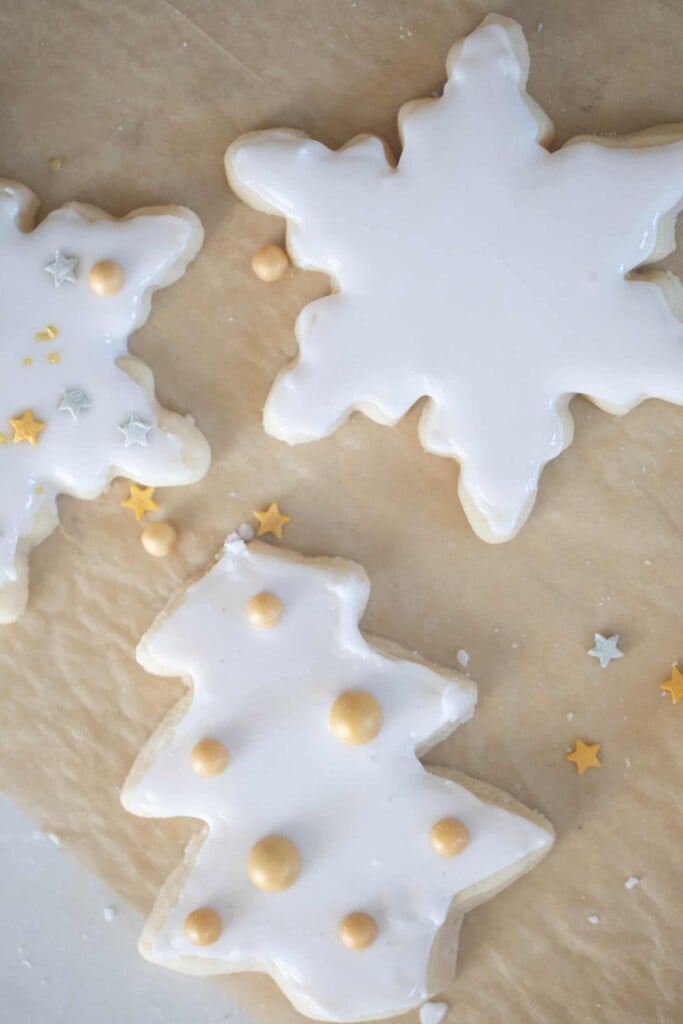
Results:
<point x="75" y="409"/>
<point x="482" y="271"/>
<point x="330" y="858"/>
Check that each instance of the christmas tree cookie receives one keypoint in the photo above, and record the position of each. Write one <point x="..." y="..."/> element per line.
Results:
<point x="330" y="858"/>
<point x="482" y="271"/>
<point x="76" y="409"/>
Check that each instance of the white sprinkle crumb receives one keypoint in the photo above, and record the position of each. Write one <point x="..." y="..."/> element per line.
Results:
<point x="109" y="913"/>
<point x="463" y="658"/>
<point x="184" y="42"/>
<point x="570" y="716"/>
<point x="593" y="919"/>
<point x="245" y="531"/>
<point x="26" y="963"/>
<point x="514" y="645"/>
<point x="648" y="562"/>
<point x="631" y="882"/>
<point x="433" y="1013"/>
<point x="54" y="839"/>
<point x="627" y="762"/>
<point x="539" y="27"/>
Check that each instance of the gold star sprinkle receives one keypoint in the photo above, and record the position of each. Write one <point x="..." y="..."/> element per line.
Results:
<point x="27" y="361"/>
<point x="674" y="685"/>
<point x="271" y="521"/>
<point x="54" y="357"/>
<point x="26" y="428"/>
<point x="585" y="755"/>
<point x="48" y="334"/>
<point x="54" y="163"/>
<point x="140" y="500"/>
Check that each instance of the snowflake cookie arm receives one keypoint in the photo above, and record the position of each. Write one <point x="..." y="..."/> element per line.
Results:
<point x="299" y="738"/>
<point x="77" y="409"/>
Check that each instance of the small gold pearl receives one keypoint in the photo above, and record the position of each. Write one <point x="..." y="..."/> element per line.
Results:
<point x="357" y="931"/>
<point x="203" y="927"/>
<point x="449" y="837"/>
<point x="269" y="263"/>
<point x="264" y="611"/>
<point x="106" y="278"/>
<point x="208" y="758"/>
<point x="274" y="864"/>
<point x="355" y="717"/>
<point x="158" y="538"/>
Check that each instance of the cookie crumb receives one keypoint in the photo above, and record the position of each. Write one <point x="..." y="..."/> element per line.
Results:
<point x="433" y="1013"/>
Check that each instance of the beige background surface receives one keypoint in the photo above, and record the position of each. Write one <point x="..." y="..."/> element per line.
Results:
<point x="141" y="100"/>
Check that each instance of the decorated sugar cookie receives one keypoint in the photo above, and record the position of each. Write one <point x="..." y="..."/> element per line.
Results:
<point x="330" y="858"/>
<point x="75" y="409"/>
<point x="482" y="271"/>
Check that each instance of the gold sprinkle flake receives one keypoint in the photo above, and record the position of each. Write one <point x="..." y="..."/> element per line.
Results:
<point x="48" y="334"/>
<point x="54" y="357"/>
<point x="40" y="490"/>
<point x="54" y="163"/>
<point x="27" y="361"/>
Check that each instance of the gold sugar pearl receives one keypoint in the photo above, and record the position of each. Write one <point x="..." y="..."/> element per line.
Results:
<point x="269" y="263"/>
<point x="357" y="931"/>
<point x="273" y="864"/>
<point x="203" y="927"/>
<point x="449" y="837"/>
<point x="208" y="758"/>
<point x="355" y="717"/>
<point x="264" y="610"/>
<point x="158" y="538"/>
<point x="106" y="278"/>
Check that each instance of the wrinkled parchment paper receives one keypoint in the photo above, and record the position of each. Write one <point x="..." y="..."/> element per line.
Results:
<point x="140" y="100"/>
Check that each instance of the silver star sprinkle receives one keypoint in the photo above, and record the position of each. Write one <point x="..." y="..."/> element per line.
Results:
<point x="606" y="649"/>
<point x="135" y="431"/>
<point x="63" y="268"/>
<point x="75" y="401"/>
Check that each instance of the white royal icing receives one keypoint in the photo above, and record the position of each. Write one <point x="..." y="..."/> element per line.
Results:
<point x="99" y="421"/>
<point x="359" y="816"/>
<point x="483" y="272"/>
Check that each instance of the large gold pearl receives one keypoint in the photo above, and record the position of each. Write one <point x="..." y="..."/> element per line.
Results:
<point x="264" y="611"/>
<point x="449" y="837"/>
<point x="208" y="758"/>
<point x="355" y="717"/>
<point x="106" y="278"/>
<point x="274" y="864"/>
<point x="203" y="927"/>
<point x="269" y="263"/>
<point x="158" y="538"/>
<point x="357" y="931"/>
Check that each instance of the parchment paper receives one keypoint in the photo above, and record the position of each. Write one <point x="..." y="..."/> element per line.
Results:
<point x="140" y="100"/>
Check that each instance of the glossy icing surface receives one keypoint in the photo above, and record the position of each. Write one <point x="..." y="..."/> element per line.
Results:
<point x="483" y="272"/>
<point x="359" y="816"/>
<point x="60" y="344"/>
